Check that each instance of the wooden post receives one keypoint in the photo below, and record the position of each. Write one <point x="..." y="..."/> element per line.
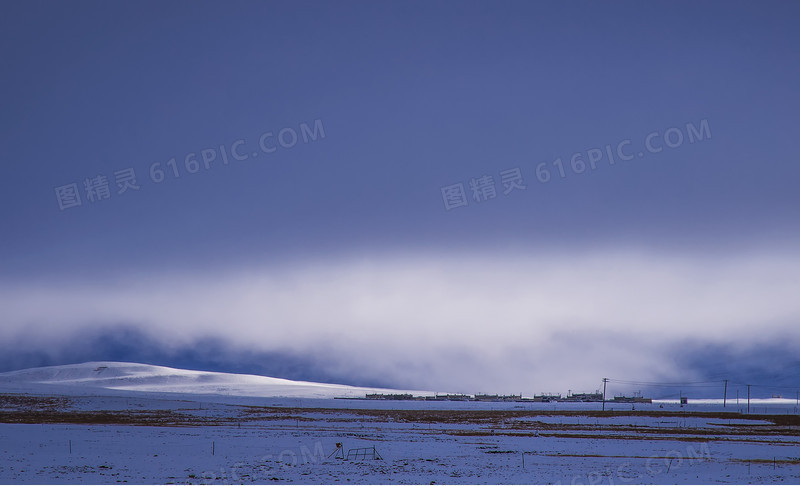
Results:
<point x="725" y="394"/>
<point x="748" y="398"/>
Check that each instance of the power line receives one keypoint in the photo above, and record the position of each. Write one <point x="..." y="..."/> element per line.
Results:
<point x="724" y="383"/>
<point x="784" y="387"/>
<point x="653" y="383"/>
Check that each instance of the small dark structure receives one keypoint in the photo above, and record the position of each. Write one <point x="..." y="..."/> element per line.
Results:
<point x="363" y="453"/>
<point x="338" y="453"/>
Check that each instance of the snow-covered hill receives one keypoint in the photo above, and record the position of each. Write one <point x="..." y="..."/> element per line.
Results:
<point x="147" y="378"/>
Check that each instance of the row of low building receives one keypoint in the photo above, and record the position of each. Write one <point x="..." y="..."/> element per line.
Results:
<point x="478" y="397"/>
<point x="408" y="396"/>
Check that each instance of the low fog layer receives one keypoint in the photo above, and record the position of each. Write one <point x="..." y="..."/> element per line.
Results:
<point x="472" y="322"/>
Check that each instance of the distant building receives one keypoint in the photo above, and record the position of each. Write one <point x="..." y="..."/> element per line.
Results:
<point x="584" y="397"/>
<point x="450" y="398"/>
<point x="546" y="397"/>
<point x="390" y="396"/>
<point x="636" y="398"/>
<point x="497" y="398"/>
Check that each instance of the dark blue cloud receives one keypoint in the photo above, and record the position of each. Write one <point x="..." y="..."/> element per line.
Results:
<point x="771" y="368"/>
<point x="128" y="344"/>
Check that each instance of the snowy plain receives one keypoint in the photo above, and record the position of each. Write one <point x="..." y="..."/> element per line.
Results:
<point x="112" y="423"/>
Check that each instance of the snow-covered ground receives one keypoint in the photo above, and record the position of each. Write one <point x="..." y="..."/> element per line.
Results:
<point x="126" y="423"/>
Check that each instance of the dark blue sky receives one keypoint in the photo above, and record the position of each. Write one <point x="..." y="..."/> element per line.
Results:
<point x="413" y="97"/>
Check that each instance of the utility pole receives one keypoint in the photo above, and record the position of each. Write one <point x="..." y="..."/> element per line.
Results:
<point x="605" y="380"/>
<point x="748" y="398"/>
<point x="725" y="394"/>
